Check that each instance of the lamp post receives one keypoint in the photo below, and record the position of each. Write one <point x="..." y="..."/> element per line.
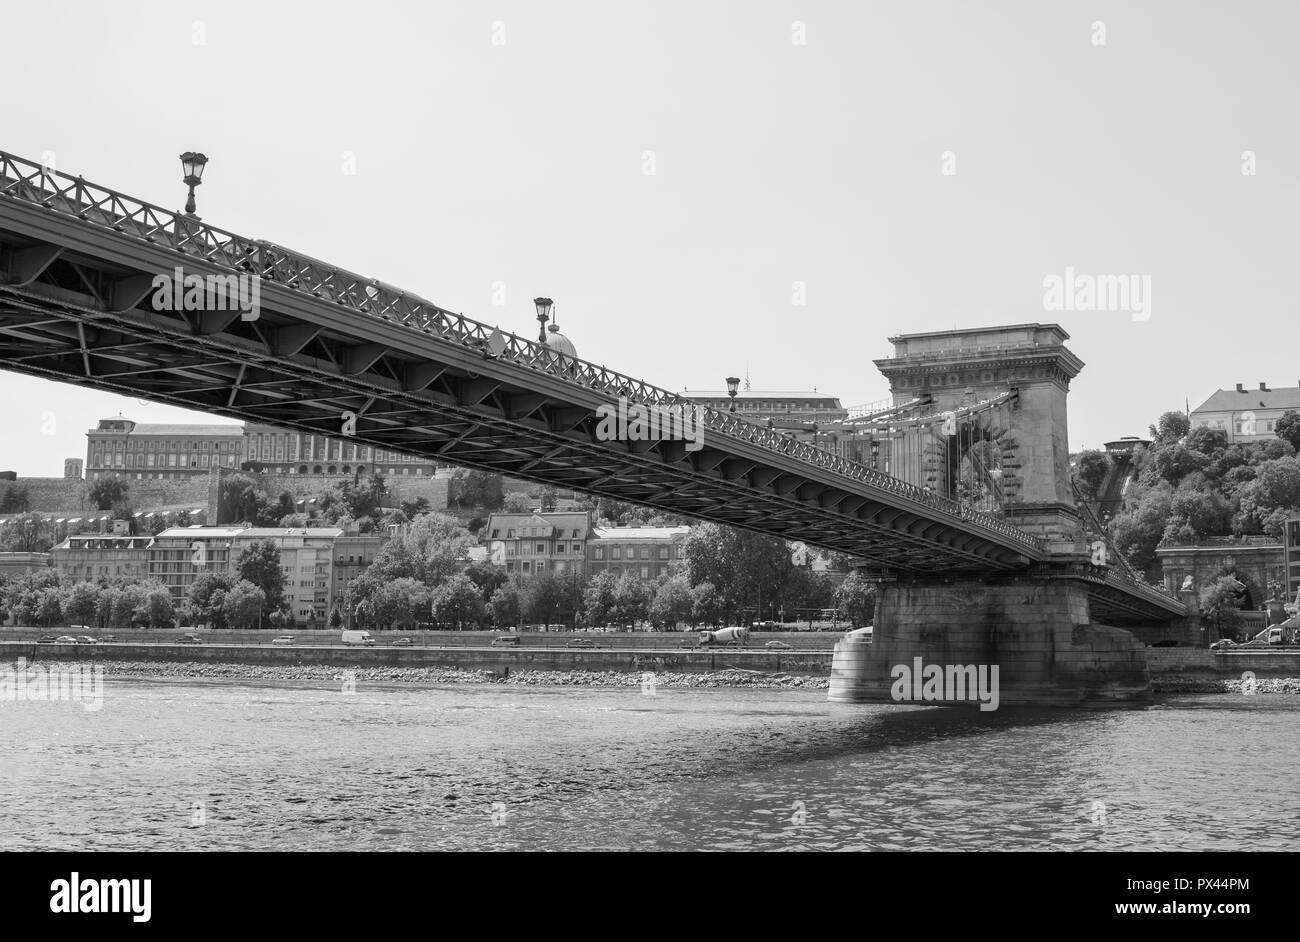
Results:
<point x="543" y="306"/>
<point x="733" y="386"/>
<point x="192" y="163"/>
<point x="875" y="452"/>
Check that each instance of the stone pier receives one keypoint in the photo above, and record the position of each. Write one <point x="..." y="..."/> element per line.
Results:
<point x="1036" y="631"/>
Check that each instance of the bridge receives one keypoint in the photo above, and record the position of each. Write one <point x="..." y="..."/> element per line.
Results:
<point x="327" y="351"/>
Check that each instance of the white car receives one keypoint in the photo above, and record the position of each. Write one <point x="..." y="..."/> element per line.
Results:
<point x="283" y="639"/>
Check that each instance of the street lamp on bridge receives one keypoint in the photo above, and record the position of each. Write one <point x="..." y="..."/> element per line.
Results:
<point x="733" y="386"/>
<point x="543" y="306"/>
<point x="192" y="163"/>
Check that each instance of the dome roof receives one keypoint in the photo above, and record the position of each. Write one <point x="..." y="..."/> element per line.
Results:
<point x="560" y="343"/>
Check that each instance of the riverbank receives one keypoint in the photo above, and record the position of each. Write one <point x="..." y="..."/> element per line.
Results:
<point x="431" y="676"/>
<point x="437" y="676"/>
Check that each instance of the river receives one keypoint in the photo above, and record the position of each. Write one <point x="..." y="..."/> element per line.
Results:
<point x="235" y="765"/>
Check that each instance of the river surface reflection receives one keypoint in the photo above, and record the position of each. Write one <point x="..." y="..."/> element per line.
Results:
<point x="181" y="765"/>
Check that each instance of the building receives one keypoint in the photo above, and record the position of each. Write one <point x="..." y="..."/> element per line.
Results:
<point x="1256" y="561"/>
<point x="801" y="407"/>
<point x="1291" y="562"/>
<point x="22" y="564"/>
<point x="1246" y="415"/>
<point x="529" y="543"/>
<point x="306" y="559"/>
<point x="353" y="554"/>
<point x="90" y="556"/>
<point x="178" y="555"/>
<point x="645" y="552"/>
<point x="120" y="446"/>
<point x="280" y="451"/>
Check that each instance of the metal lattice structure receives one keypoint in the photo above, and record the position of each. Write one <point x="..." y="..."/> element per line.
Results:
<point x="79" y="263"/>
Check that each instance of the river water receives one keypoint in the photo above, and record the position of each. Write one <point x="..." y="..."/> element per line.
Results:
<point x="189" y="765"/>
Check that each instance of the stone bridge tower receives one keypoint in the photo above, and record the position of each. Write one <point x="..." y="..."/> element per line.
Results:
<point x="956" y="368"/>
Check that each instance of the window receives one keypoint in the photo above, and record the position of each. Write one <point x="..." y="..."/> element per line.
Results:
<point x="598" y="552"/>
<point x="645" y="552"/>
<point x="541" y="549"/>
<point x="510" y="534"/>
<point x="577" y="547"/>
<point x="560" y="547"/>
<point x="615" y="552"/>
<point x="645" y="572"/>
<point x="496" y="533"/>
<point x="663" y="552"/>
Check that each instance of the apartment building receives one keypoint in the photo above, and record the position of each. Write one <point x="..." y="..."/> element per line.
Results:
<point x="645" y="552"/>
<point x="529" y="543"/>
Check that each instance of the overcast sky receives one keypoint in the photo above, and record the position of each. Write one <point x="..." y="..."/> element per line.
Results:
<point x="508" y="147"/>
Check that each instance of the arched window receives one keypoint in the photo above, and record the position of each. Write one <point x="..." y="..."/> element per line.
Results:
<point x="361" y="469"/>
<point x="347" y="469"/>
<point x="334" y="469"/>
<point x="302" y="469"/>
<point x="316" y="470"/>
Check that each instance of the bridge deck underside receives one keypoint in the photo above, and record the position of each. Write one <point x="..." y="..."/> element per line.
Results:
<point x="74" y="307"/>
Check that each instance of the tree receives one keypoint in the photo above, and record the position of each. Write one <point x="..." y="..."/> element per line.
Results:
<point x="30" y="533"/>
<point x="50" y="609"/>
<point x="1090" y="470"/>
<point x="1137" y="532"/>
<point x="545" y="598"/>
<point x="1287" y="428"/>
<point x="487" y="577"/>
<point x="600" y="597"/>
<point x="505" y="605"/>
<point x="108" y="493"/>
<point x="79" y="603"/>
<point x="671" y="603"/>
<point x="469" y="489"/>
<point x="631" y="600"/>
<point x="260" y="565"/>
<point x="1267" y="501"/>
<point x="129" y="603"/>
<point x="752" y="570"/>
<point x="1170" y="428"/>
<point x="856" y="598"/>
<point x="335" y="620"/>
<point x="158" y="608"/>
<point x="517" y="502"/>
<point x="15" y="500"/>
<point x="416" y="507"/>
<point x="457" y="602"/>
<point x="1220" y="606"/>
<point x="706" y="604"/>
<point x="236" y="498"/>
<point x="207" y="598"/>
<point x="244" y="604"/>
<point x="398" y="604"/>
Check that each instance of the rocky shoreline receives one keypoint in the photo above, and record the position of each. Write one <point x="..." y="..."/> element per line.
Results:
<point x="324" y="673"/>
<point x="732" y="677"/>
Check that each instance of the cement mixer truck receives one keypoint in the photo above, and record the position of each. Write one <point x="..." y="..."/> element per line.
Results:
<point x="724" y="637"/>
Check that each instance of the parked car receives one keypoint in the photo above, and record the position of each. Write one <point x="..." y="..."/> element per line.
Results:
<point x="47" y="639"/>
<point x="404" y="642"/>
<point x="108" y="638"/>
<point x="189" y="639"/>
<point x="505" y="641"/>
<point x="283" y="639"/>
<point x="86" y="639"/>
<point x="65" y="639"/>
<point x="580" y="643"/>
<point x="777" y="644"/>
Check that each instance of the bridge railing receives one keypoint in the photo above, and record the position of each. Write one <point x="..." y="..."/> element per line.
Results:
<point x="33" y="183"/>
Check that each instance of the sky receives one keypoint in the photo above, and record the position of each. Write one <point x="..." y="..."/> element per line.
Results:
<point x="713" y="188"/>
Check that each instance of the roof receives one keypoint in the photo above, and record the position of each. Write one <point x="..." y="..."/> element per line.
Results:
<point x="556" y="520"/>
<point x="230" y="431"/>
<point x="262" y="533"/>
<point x="1229" y="400"/>
<point x="191" y="532"/>
<point x="639" y="533"/>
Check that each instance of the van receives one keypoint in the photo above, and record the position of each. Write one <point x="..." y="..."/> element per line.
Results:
<point x="357" y="637"/>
